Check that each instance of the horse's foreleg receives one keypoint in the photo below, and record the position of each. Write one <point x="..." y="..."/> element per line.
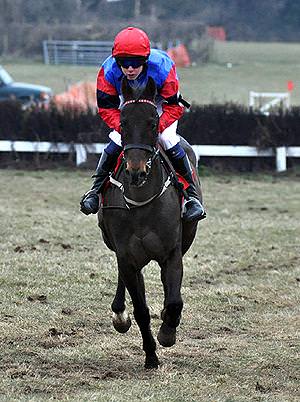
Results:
<point x="171" y="275"/>
<point x="134" y="282"/>
<point x="121" y="319"/>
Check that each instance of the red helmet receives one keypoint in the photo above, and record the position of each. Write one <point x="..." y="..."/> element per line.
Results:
<point x="131" y="42"/>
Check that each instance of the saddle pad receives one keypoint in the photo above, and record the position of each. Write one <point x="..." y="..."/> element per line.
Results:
<point x="119" y="161"/>
<point x="182" y="180"/>
<point x="107" y="183"/>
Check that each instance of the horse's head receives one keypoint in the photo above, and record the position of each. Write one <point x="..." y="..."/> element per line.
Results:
<point x="139" y="125"/>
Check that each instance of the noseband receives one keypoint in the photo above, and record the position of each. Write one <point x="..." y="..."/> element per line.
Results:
<point x="154" y="152"/>
<point x="144" y="147"/>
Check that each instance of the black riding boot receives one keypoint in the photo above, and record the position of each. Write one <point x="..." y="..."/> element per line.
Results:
<point x="193" y="209"/>
<point x="89" y="203"/>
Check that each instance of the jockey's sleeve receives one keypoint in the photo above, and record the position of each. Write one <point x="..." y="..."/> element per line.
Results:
<point x="172" y="111"/>
<point x="108" y="102"/>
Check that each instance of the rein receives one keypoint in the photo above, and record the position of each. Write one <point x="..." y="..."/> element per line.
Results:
<point x="130" y="203"/>
<point x="140" y="203"/>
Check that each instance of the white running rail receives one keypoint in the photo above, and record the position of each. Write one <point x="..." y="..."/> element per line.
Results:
<point x="82" y="150"/>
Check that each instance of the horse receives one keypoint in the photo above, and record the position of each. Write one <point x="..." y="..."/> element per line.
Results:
<point x="140" y="220"/>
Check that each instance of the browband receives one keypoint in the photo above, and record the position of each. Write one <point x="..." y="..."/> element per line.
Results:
<point x="139" y="101"/>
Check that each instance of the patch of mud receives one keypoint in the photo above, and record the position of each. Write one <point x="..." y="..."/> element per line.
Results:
<point x="37" y="298"/>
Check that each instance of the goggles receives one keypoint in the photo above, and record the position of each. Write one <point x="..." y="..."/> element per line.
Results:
<point x="134" y="62"/>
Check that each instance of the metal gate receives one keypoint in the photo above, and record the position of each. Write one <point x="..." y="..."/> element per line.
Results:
<point x="76" y="52"/>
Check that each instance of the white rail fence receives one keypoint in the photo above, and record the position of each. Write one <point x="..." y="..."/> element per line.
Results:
<point x="82" y="150"/>
<point x="265" y="101"/>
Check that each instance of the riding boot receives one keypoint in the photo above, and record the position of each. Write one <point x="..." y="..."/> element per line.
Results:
<point x="89" y="203"/>
<point x="193" y="209"/>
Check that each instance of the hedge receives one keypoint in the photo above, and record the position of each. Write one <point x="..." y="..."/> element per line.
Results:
<point x="232" y="124"/>
<point x="51" y="124"/>
<point x="228" y="124"/>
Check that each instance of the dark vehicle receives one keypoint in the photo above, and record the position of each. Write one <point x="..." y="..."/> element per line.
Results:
<point x="27" y="94"/>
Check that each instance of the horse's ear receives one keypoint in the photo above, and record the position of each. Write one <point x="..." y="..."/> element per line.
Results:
<point x="150" y="90"/>
<point x="127" y="91"/>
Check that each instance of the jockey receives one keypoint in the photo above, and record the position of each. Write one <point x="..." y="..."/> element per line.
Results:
<point x="132" y="57"/>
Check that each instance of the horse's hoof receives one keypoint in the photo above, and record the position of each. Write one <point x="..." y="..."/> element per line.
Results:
<point x="151" y="362"/>
<point x="166" y="336"/>
<point x="121" y="322"/>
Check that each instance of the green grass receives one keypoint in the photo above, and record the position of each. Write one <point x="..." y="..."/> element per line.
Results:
<point x="262" y="67"/>
<point x="256" y="52"/>
<point x="239" y="335"/>
<point x="255" y="66"/>
<point x="56" y="77"/>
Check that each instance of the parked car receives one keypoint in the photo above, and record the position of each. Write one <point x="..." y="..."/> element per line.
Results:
<point x="27" y="94"/>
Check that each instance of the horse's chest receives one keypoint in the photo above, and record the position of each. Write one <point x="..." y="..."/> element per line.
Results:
<point x="151" y="238"/>
<point x="147" y="233"/>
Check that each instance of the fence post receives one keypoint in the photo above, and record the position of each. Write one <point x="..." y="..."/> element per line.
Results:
<point x="281" y="159"/>
<point x="251" y="99"/>
<point x="81" y="154"/>
<point x="56" y="61"/>
<point x="45" y="52"/>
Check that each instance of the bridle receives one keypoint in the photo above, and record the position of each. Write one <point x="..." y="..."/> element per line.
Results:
<point x="154" y="152"/>
<point x="145" y="147"/>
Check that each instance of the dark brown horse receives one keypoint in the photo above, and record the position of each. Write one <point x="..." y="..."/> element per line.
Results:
<point x="141" y="221"/>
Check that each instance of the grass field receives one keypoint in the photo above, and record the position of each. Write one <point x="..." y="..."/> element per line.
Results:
<point x="239" y="336"/>
<point x="255" y="66"/>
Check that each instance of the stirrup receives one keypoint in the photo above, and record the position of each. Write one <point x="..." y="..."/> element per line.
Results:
<point x="193" y="212"/>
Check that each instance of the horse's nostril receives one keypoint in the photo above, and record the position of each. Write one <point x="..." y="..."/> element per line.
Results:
<point x="143" y="175"/>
